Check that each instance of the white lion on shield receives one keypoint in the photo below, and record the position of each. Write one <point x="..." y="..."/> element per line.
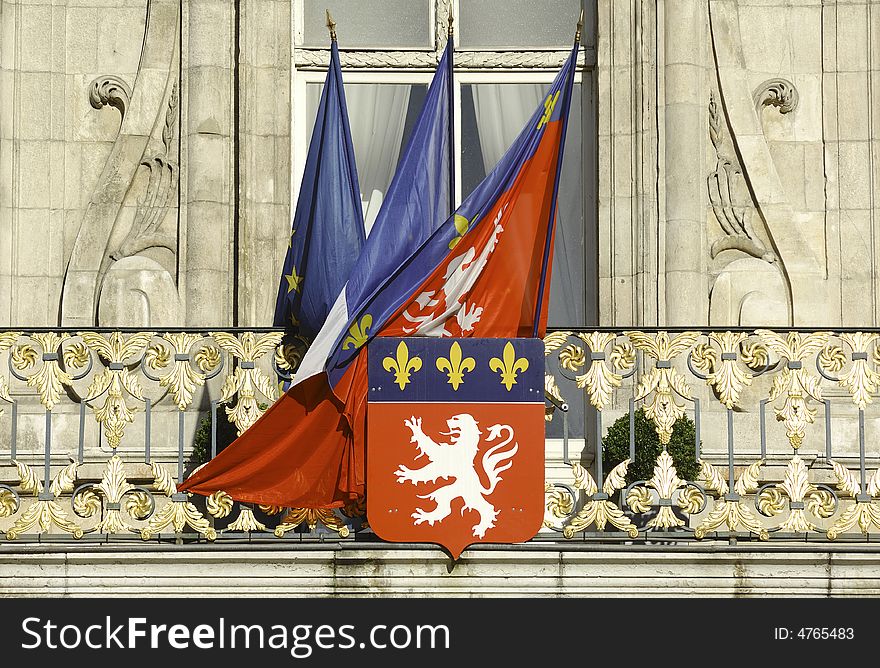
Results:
<point x="456" y="459"/>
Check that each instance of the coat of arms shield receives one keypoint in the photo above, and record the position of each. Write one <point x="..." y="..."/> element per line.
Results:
<point x="455" y="440"/>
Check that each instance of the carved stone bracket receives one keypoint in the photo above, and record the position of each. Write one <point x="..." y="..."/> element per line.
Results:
<point x="110" y="90"/>
<point x="779" y="93"/>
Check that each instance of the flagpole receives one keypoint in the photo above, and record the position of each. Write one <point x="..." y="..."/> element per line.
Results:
<point x="451" y="104"/>
<point x="552" y="218"/>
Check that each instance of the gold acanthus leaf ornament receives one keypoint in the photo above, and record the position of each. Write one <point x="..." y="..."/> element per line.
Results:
<point x="723" y="374"/>
<point x="246" y="522"/>
<point x="862" y="379"/>
<point x="183" y="380"/>
<point x="554" y="341"/>
<point x="49" y="378"/>
<point x="6" y="341"/>
<point x="793" y="382"/>
<point x="596" y="512"/>
<point x="734" y="513"/>
<point x="43" y="513"/>
<point x="119" y="494"/>
<point x="247" y="379"/>
<point x="668" y="487"/>
<point x="116" y="380"/>
<point x="800" y="495"/>
<point x="311" y="517"/>
<point x="865" y="512"/>
<point x="601" y="379"/>
<point x="663" y="382"/>
<point x="177" y="514"/>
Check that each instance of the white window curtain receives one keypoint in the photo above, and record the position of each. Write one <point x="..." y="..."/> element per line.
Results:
<point x="377" y="115"/>
<point x="501" y="112"/>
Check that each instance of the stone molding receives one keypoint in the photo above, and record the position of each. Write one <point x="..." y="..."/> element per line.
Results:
<point x="338" y="569"/>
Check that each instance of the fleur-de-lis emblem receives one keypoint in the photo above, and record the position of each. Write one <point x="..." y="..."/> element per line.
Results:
<point x="402" y="365"/>
<point x="509" y="366"/>
<point x="549" y="104"/>
<point x="358" y="333"/>
<point x="455" y="366"/>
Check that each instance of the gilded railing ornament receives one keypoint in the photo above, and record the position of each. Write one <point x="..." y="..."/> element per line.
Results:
<point x="793" y="381"/>
<point x="247" y="378"/>
<point x="664" y="381"/>
<point x="552" y="342"/>
<point x="601" y="379"/>
<point x="219" y="504"/>
<point x="6" y="341"/>
<point x="246" y="522"/>
<point x="862" y="379"/>
<point x="178" y="512"/>
<point x="670" y="489"/>
<point x="357" y="510"/>
<point x="119" y="494"/>
<point x="797" y="500"/>
<point x="182" y="380"/>
<point x="598" y="509"/>
<point x="312" y="517"/>
<point x="800" y="495"/>
<point x="287" y="358"/>
<point x="865" y="512"/>
<point x="116" y="380"/>
<point x="730" y="509"/>
<point x="720" y="369"/>
<point x="45" y="512"/>
<point x="10" y="501"/>
<point x="49" y="378"/>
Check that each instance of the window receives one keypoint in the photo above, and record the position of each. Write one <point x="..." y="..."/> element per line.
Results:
<point x="507" y="53"/>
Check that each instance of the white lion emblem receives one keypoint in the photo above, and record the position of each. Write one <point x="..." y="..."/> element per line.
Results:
<point x="457" y="460"/>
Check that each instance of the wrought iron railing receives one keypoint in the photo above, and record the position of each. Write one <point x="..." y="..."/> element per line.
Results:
<point x="97" y="429"/>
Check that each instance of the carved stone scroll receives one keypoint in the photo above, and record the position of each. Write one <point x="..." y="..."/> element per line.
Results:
<point x="90" y="256"/>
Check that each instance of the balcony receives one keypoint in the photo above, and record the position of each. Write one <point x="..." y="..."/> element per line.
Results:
<point x="98" y="427"/>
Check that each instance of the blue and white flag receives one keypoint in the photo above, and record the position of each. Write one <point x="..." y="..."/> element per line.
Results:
<point x="327" y="234"/>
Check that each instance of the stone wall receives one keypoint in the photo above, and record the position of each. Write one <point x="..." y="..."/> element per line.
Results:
<point x="145" y="161"/>
<point x="739" y="182"/>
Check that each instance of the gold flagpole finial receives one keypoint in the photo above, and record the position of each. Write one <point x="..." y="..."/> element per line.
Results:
<point x="331" y="25"/>
<point x="451" y="31"/>
<point x="580" y="26"/>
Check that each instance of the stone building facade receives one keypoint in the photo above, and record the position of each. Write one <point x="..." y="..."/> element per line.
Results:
<point x="151" y="149"/>
<point x="720" y="171"/>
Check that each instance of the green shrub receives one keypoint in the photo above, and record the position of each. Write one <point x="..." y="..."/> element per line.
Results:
<point x="648" y="448"/>
<point x="201" y="451"/>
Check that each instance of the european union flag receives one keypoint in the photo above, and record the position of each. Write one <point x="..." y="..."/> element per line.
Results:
<point x="328" y="226"/>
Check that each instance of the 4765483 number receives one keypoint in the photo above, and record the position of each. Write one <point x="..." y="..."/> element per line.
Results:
<point x="814" y="633"/>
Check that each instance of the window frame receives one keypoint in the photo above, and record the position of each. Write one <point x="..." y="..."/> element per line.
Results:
<point x="472" y="66"/>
